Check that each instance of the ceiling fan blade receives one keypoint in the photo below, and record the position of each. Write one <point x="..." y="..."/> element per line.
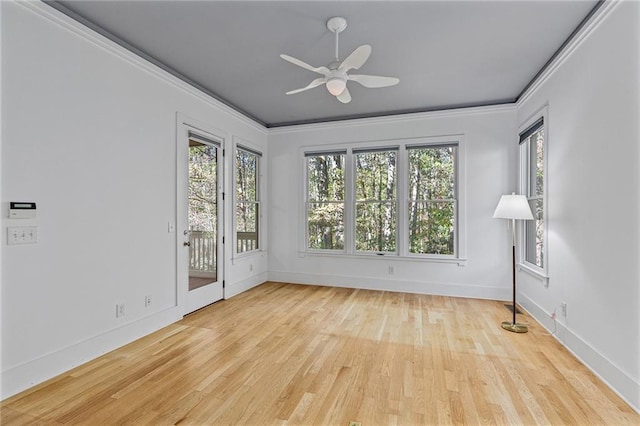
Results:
<point x="345" y="96"/>
<point x="374" y="81"/>
<point x="298" y="62"/>
<point x="315" y="83"/>
<point x="357" y="58"/>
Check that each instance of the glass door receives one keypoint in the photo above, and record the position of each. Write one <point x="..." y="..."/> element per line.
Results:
<point x="202" y="243"/>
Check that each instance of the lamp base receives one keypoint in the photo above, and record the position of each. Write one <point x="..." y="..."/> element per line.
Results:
<point x="515" y="327"/>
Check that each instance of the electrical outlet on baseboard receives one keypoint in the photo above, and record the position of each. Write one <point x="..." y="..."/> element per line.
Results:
<point x="563" y="308"/>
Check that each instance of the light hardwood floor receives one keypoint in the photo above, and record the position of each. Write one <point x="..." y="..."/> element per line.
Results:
<point x="293" y="354"/>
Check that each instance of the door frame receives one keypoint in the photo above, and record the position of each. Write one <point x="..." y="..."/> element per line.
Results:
<point x="184" y="125"/>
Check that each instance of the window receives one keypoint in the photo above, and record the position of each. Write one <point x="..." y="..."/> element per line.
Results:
<point x="375" y="201"/>
<point x="325" y="200"/>
<point x="384" y="200"/>
<point x="247" y="199"/>
<point x="532" y="160"/>
<point x="432" y="199"/>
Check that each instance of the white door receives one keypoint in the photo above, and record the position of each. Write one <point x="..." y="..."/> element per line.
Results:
<point x="200" y="220"/>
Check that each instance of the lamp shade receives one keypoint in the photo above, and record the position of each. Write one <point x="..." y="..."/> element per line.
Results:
<point x="513" y="207"/>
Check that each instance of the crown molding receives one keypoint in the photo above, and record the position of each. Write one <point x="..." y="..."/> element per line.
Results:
<point x="577" y="39"/>
<point x="392" y="119"/>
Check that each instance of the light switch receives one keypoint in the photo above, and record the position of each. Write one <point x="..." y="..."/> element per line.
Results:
<point x="22" y="235"/>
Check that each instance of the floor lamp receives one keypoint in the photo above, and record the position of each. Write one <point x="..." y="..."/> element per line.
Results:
<point x="513" y="207"/>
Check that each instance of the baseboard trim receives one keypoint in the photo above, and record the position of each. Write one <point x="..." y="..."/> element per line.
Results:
<point x="394" y="285"/>
<point x="31" y="373"/>
<point x="244" y="285"/>
<point x="613" y="376"/>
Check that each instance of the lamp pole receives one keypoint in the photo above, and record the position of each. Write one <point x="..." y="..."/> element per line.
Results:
<point x="513" y="207"/>
<point x="513" y="265"/>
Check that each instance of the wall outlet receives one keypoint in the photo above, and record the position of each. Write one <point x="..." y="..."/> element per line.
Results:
<point x="147" y="301"/>
<point x="119" y="310"/>
<point x="563" y="308"/>
<point x="250" y="267"/>
<point x="391" y="271"/>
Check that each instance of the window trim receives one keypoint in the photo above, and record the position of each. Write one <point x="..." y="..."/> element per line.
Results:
<point x="524" y="172"/>
<point x="402" y="237"/>
<point x="456" y="201"/>
<point x="241" y="145"/>
<point x="354" y="205"/>
<point x="305" y="201"/>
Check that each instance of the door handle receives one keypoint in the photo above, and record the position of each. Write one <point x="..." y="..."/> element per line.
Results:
<point x="186" y="244"/>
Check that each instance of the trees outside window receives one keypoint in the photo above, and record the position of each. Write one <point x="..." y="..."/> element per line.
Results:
<point x="325" y="200"/>
<point x="432" y="199"/>
<point x="400" y="200"/>
<point x="203" y="206"/>
<point x="532" y="152"/>
<point x="247" y="200"/>
<point x="375" y="201"/>
<point x="202" y="187"/>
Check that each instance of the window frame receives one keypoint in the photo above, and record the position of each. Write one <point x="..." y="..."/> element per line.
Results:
<point x="258" y="201"/>
<point x="524" y="185"/>
<point x="305" y="198"/>
<point x="455" y="200"/>
<point x="402" y="201"/>
<point x="354" y="206"/>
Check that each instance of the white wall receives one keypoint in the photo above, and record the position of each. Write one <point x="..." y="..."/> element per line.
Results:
<point x="593" y="199"/>
<point x="488" y="138"/>
<point x="89" y="134"/>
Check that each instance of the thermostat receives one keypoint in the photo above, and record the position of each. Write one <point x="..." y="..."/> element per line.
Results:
<point x="22" y="210"/>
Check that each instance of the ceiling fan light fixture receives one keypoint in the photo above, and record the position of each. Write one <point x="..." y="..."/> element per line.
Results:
<point x="336" y="74"/>
<point x="336" y="85"/>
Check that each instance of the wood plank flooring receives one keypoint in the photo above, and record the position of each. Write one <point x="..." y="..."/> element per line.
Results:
<point x="293" y="354"/>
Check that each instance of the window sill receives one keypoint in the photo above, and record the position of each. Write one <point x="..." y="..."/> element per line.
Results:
<point x="540" y="275"/>
<point x="386" y="257"/>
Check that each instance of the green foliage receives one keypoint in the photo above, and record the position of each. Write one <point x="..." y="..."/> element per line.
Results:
<point x="534" y="231"/>
<point x="202" y="188"/>
<point x="326" y="177"/>
<point x="432" y="195"/>
<point x="376" y="227"/>
<point x="247" y="205"/>
<point x="325" y="183"/>
<point x="376" y="201"/>
<point x="539" y="162"/>
<point x="431" y="191"/>
<point x="432" y="226"/>
<point x="326" y="226"/>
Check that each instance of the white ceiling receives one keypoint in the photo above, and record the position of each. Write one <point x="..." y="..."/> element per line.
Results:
<point x="446" y="54"/>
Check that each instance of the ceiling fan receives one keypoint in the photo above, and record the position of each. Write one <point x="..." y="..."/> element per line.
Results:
<point x="335" y="75"/>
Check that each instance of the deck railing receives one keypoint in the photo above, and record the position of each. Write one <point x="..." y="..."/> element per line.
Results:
<point x="246" y="241"/>
<point x="202" y="252"/>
